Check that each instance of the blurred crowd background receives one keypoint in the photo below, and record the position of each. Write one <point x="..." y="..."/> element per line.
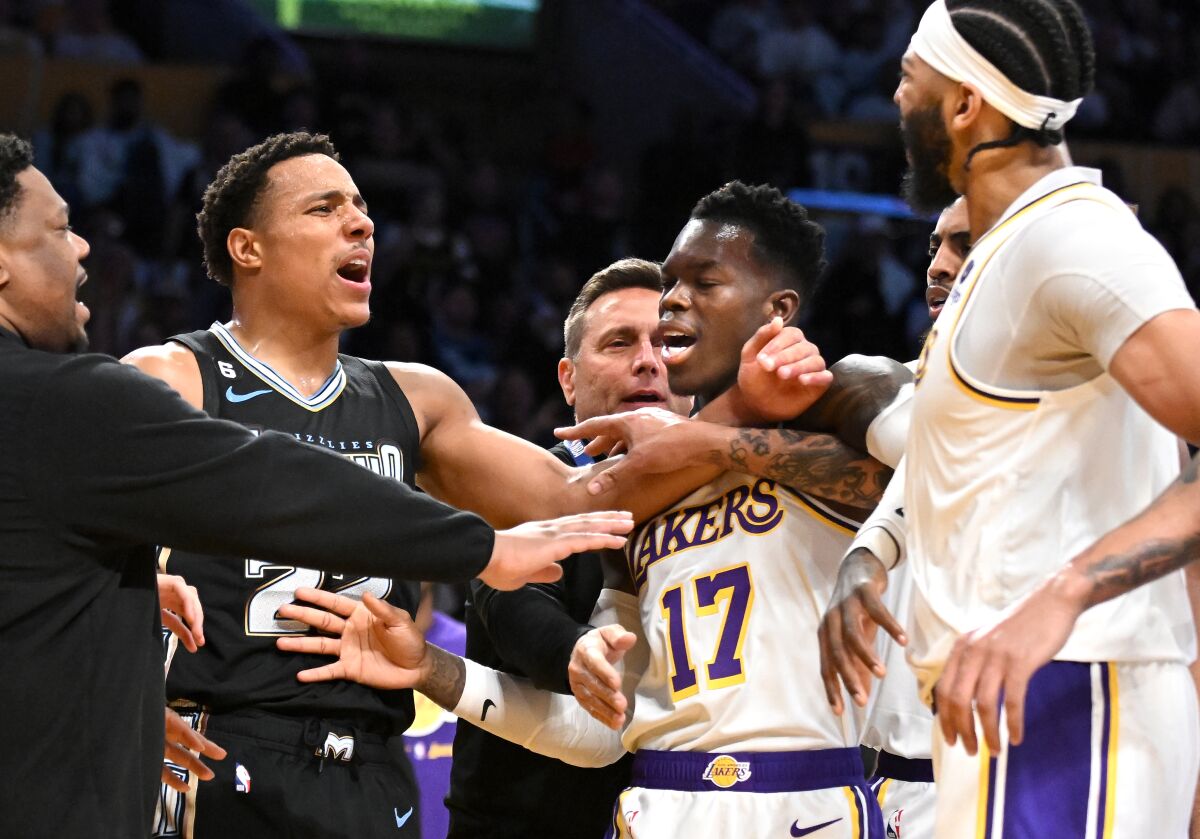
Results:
<point x="499" y="180"/>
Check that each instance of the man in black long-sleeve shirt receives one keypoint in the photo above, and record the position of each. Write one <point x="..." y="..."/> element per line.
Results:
<point x="499" y="790"/>
<point x="99" y="464"/>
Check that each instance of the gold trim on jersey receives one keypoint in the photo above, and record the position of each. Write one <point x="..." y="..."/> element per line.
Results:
<point x="1012" y="400"/>
<point x="826" y="516"/>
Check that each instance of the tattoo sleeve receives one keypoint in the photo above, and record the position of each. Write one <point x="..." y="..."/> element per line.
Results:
<point x="447" y="678"/>
<point x="1117" y="572"/>
<point x="819" y="464"/>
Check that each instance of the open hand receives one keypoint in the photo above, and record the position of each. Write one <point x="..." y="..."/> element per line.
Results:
<point x="181" y="745"/>
<point x="529" y="553"/>
<point x="847" y="633"/>
<point x="376" y="643"/>
<point x="781" y="373"/>
<point x="594" y="680"/>
<point x="654" y="441"/>
<point x="181" y="610"/>
<point x="997" y="661"/>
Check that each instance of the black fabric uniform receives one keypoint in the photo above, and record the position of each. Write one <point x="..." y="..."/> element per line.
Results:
<point x="271" y="724"/>
<point x="499" y="790"/>
<point x="100" y="463"/>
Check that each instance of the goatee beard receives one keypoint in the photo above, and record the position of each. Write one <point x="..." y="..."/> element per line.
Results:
<point x="926" y="186"/>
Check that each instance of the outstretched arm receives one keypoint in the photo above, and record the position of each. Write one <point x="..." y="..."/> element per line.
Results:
<point x="378" y="645"/>
<point x="505" y="479"/>
<point x="508" y="480"/>
<point x="1001" y="658"/>
<point x="803" y="455"/>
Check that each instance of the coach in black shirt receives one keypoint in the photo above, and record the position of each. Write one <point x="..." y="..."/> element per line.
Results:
<point x="99" y="463"/>
<point x="499" y="790"/>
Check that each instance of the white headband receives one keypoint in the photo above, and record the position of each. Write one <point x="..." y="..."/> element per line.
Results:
<point x="938" y="43"/>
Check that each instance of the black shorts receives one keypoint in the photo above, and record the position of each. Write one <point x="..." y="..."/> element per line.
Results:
<point x="273" y="783"/>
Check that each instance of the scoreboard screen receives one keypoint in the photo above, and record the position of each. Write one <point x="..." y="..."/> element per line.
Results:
<point x="504" y="24"/>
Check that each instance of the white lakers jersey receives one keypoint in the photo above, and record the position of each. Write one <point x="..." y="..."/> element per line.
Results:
<point x="732" y="582"/>
<point x="1006" y="484"/>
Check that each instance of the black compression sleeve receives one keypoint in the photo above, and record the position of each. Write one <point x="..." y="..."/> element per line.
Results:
<point x="531" y="630"/>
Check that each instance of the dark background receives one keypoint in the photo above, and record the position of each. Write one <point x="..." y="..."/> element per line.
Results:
<point x="500" y="179"/>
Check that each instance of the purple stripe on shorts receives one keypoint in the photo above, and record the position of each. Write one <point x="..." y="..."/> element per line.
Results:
<point x="991" y="799"/>
<point x="1105" y="737"/>
<point x="1048" y="778"/>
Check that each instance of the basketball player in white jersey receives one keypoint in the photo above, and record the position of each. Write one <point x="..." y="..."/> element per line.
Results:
<point x="898" y="724"/>
<point x="1066" y="346"/>
<point x="721" y="593"/>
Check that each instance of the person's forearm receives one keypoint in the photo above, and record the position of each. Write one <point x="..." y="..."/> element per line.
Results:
<point x="1162" y="539"/>
<point x="445" y="677"/>
<point x="819" y="464"/>
<point x="532" y="630"/>
<point x="513" y="709"/>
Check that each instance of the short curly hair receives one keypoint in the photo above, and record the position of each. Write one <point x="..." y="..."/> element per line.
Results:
<point x="785" y="237"/>
<point x="16" y="155"/>
<point x="230" y="200"/>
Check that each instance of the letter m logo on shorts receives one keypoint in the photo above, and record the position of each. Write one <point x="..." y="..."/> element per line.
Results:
<point x="338" y="748"/>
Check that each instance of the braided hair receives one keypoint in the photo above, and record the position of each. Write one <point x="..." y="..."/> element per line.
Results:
<point x="1043" y="46"/>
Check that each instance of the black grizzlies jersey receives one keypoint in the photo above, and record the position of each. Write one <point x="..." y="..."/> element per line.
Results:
<point x="360" y="412"/>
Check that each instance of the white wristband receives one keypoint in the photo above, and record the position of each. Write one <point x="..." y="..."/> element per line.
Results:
<point x="879" y="541"/>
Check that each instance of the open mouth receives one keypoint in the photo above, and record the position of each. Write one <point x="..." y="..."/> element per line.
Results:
<point x="356" y="269"/>
<point x="675" y="344"/>
<point x="935" y="299"/>
<point x="645" y="398"/>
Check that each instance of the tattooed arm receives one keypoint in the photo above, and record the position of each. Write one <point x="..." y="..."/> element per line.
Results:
<point x="1000" y="659"/>
<point x="803" y="455"/>
<point x="819" y="464"/>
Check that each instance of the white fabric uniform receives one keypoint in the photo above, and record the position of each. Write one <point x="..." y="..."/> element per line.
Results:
<point x="732" y="582"/>
<point x="1024" y="450"/>
<point x="747" y="675"/>
<point x="897" y="721"/>
<point x="754" y="684"/>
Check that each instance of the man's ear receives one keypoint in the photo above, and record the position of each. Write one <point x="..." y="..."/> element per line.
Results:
<point x="244" y="249"/>
<point x="566" y="379"/>
<point x="965" y="107"/>
<point x="785" y="304"/>
<point x="5" y="274"/>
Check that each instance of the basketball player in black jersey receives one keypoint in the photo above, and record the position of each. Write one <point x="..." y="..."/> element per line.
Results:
<point x="284" y="226"/>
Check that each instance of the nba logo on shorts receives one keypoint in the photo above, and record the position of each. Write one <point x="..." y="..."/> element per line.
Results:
<point x="893" y="825"/>
<point x="725" y="771"/>
<point x="242" y="784"/>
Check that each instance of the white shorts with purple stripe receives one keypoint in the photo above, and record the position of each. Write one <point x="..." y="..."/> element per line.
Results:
<point x="907" y="796"/>
<point x="1111" y="751"/>
<point x="822" y="794"/>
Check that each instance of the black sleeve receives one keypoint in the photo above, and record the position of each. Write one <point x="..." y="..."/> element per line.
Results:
<point x="116" y="454"/>
<point x="531" y="629"/>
